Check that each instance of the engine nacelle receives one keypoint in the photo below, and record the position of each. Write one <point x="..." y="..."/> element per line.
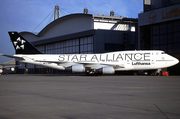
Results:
<point x="12" y="68"/>
<point x="1" y="70"/>
<point x="107" y="70"/>
<point x="78" y="68"/>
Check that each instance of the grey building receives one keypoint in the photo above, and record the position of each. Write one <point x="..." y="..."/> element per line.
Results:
<point x="83" y="34"/>
<point x="159" y="28"/>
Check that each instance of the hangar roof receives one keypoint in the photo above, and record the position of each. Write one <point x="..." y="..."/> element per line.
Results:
<point x="74" y="23"/>
<point x="53" y="23"/>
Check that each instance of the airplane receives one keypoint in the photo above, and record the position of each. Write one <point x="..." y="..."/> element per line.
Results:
<point x="105" y="63"/>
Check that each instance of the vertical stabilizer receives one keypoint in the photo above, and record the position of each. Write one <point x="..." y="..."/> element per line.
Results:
<point x="21" y="45"/>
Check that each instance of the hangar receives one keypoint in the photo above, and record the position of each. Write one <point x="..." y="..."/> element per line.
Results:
<point x="82" y="33"/>
<point x="159" y="28"/>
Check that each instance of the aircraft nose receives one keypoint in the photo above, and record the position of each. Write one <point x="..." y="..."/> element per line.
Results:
<point x="176" y="61"/>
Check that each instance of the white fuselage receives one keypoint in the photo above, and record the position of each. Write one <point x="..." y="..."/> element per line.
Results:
<point x="122" y="60"/>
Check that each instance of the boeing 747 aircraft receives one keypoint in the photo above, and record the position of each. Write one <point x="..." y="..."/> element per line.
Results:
<point x="106" y="63"/>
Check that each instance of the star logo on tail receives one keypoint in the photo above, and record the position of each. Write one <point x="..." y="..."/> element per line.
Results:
<point x="19" y="43"/>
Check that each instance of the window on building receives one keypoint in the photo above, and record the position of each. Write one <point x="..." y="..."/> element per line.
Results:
<point x="86" y="45"/>
<point x="113" y="47"/>
<point x="163" y="29"/>
<point x="170" y="38"/>
<point x="163" y="39"/>
<point x="170" y="28"/>
<point x="155" y="40"/>
<point x="155" y="30"/>
<point x="147" y="2"/>
<point x="177" y="26"/>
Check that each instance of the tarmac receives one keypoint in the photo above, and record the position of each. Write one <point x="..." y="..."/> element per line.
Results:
<point x="89" y="97"/>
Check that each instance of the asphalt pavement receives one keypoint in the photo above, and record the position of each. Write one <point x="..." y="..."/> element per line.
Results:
<point x="89" y="97"/>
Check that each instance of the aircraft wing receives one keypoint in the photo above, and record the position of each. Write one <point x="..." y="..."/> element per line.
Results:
<point x="86" y="64"/>
<point x="64" y="64"/>
<point x="57" y="62"/>
<point x="116" y="65"/>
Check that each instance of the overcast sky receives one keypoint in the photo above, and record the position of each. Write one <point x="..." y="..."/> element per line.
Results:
<point x="26" y="15"/>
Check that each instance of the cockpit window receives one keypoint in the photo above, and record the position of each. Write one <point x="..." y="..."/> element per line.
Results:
<point x="163" y="53"/>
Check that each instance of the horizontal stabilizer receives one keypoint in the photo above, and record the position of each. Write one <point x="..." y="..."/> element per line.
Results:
<point x="15" y="57"/>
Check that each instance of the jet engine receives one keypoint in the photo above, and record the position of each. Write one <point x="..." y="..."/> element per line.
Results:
<point x="107" y="70"/>
<point x="78" y="68"/>
<point x="1" y="70"/>
<point x="12" y="68"/>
